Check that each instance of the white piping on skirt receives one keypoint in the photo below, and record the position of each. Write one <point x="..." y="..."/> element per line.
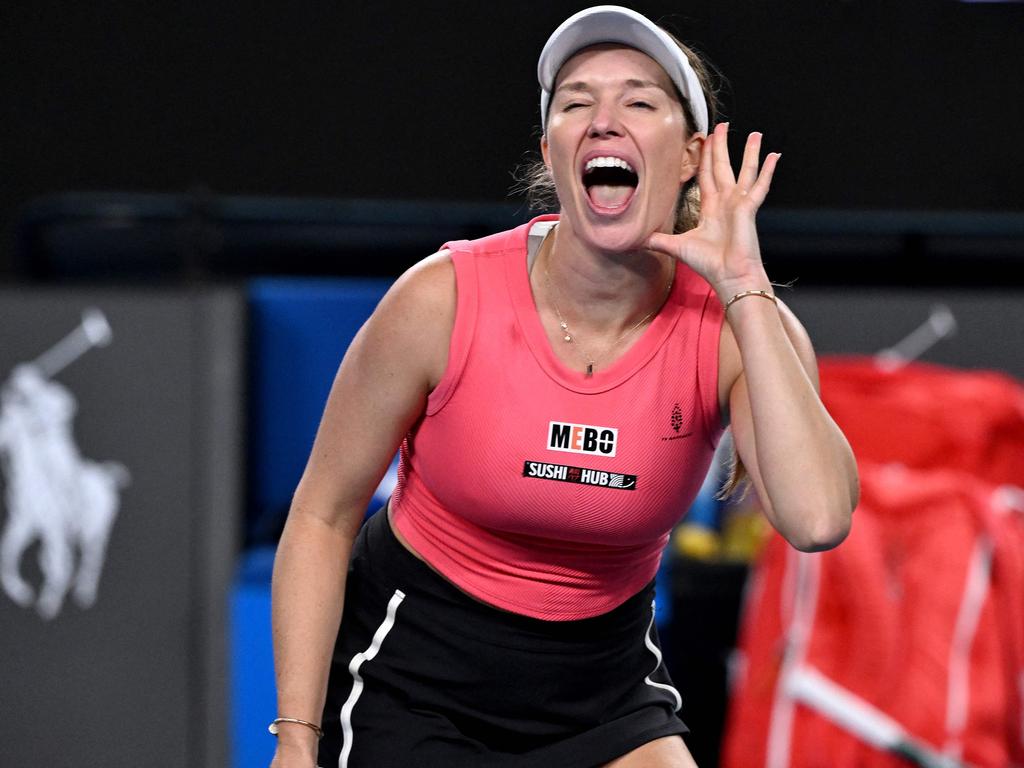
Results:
<point x="653" y="648"/>
<point x="357" y="680"/>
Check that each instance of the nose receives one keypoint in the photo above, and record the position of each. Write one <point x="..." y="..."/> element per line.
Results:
<point x="604" y="121"/>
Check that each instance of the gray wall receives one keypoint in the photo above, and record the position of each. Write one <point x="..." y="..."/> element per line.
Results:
<point x="140" y="676"/>
<point x="990" y="323"/>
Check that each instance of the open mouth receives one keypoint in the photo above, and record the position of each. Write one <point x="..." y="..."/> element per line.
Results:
<point x="610" y="182"/>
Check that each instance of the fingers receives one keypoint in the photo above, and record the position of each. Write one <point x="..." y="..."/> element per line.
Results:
<point x="748" y="169"/>
<point x="705" y="174"/>
<point x="759" y="191"/>
<point x="721" y="168"/>
<point x="716" y="175"/>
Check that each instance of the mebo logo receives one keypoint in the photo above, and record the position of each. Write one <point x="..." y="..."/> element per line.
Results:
<point x="582" y="438"/>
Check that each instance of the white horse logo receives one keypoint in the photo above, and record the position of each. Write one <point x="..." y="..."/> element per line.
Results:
<point x="52" y="494"/>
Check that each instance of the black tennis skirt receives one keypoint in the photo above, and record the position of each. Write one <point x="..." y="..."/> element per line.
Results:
<point x="424" y="675"/>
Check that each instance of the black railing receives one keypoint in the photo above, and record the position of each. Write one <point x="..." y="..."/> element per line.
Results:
<point x="122" y="237"/>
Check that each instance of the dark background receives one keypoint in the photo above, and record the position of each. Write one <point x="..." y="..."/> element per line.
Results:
<point x="874" y="104"/>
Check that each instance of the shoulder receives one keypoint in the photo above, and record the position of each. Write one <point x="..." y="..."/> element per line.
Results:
<point x="426" y="287"/>
<point x="415" y="318"/>
<point x="426" y="292"/>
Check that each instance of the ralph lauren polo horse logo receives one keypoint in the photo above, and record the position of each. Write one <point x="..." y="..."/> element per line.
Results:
<point x="52" y="494"/>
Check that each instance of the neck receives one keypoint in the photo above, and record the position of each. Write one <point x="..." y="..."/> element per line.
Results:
<point x="601" y="293"/>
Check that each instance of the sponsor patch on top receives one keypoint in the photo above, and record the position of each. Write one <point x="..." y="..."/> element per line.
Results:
<point x="542" y="470"/>
<point x="582" y="438"/>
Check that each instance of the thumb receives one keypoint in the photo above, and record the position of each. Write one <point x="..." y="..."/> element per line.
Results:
<point x="663" y="243"/>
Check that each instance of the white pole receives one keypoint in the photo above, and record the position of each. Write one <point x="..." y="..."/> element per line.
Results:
<point x="93" y="331"/>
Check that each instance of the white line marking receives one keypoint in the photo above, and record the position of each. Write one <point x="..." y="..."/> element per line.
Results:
<point x="357" y="680"/>
<point x="657" y="655"/>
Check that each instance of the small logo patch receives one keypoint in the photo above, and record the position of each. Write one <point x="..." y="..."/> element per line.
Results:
<point x="582" y="438"/>
<point x="677" y="418"/>
<point x="542" y="470"/>
<point x="676" y="421"/>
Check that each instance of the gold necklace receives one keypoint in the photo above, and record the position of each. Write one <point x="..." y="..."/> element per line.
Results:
<point x="570" y="338"/>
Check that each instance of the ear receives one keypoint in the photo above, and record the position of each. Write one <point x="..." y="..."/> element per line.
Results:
<point x="691" y="157"/>
<point x="545" y="151"/>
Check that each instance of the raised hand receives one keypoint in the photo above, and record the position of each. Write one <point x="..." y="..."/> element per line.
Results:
<point x="723" y="248"/>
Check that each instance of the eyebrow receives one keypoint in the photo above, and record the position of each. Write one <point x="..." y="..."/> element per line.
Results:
<point x="581" y="86"/>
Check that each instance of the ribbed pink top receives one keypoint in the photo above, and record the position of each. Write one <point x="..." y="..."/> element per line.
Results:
<point x="534" y="488"/>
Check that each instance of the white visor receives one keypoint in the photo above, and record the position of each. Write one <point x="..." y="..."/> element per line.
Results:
<point x="615" y="24"/>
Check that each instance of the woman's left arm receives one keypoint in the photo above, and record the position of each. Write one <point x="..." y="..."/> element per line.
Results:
<point x="799" y="461"/>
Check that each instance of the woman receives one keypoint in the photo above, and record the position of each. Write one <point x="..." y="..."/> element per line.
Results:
<point x="557" y="392"/>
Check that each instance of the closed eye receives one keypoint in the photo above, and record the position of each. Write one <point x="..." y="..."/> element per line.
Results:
<point x="641" y="104"/>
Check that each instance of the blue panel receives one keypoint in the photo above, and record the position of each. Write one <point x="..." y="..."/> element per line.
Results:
<point x="663" y="592"/>
<point x="254" y="699"/>
<point x="300" y="329"/>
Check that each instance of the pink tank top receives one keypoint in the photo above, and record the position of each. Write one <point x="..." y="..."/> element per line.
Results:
<point x="534" y="488"/>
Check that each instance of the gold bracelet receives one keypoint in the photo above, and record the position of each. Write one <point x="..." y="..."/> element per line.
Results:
<point x="743" y="294"/>
<point x="316" y="728"/>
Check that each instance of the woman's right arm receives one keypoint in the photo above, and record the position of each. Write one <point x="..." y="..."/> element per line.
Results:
<point x="380" y="391"/>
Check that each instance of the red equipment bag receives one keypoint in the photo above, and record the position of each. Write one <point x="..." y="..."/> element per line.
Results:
<point x="928" y="417"/>
<point x="908" y="639"/>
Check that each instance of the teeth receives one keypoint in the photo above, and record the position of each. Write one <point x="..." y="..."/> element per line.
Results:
<point x="608" y="162"/>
